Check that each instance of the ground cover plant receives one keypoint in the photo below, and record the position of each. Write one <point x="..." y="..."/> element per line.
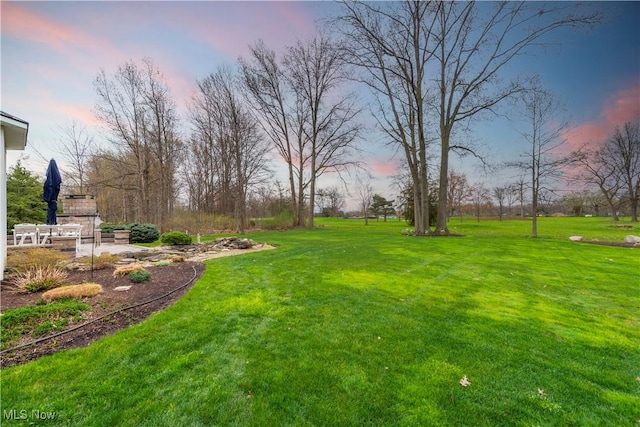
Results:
<point x="359" y="325"/>
<point x="37" y="320"/>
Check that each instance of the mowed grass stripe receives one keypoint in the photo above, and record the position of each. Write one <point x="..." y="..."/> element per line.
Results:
<point x="355" y="325"/>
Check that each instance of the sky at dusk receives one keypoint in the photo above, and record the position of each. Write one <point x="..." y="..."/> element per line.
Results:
<point x="51" y="53"/>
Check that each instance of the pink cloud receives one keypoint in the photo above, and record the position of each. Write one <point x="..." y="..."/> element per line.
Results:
<point x="19" y="22"/>
<point x="384" y="167"/>
<point x="232" y="35"/>
<point x="617" y="110"/>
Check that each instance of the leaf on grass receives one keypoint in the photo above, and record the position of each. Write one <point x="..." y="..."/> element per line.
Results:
<point x="541" y="392"/>
<point x="249" y="395"/>
<point x="464" y="382"/>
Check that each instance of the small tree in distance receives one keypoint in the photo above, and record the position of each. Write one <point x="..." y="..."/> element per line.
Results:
<point x="381" y="207"/>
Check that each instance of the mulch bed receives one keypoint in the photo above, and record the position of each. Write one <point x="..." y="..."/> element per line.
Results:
<point x="164" y="280"/>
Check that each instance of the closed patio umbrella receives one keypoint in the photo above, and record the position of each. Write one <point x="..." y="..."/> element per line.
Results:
<point x="51" y="190"/>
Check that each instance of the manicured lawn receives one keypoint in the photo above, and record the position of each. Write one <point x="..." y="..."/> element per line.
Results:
<point x="348" y="325"/>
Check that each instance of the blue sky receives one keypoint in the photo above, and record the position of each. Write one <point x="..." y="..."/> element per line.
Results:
<point x="51" y="53"/>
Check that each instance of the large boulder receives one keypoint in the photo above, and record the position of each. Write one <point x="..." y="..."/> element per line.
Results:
<point x="631" y="239"/>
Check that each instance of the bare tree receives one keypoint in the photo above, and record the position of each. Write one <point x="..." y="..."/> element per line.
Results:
<point x="316" y="72"/>
<point x="365" y="194"/>
<point x="166" y="147"/>
<point x="138" y="111"/>
<point x="76" y="149"/>
<point x="467" y="45"/>
<point x="519" y="188"/>
<point x="306" y="112"/>
<point x="511" y="195"/>
<point x="267" y="85"/>
<point x="459" y="192"/>
<point x="624" y="146"/>
<point x="121" y="107"/>
<point x="330" y="200"/>
<point x="595" y="168"/>
<point x="500" y="194"/>
<point x="544" y="137"/>
<point x="474" y="44"/>
<point x="227" y="137"/>
<point x="480" y="198"/>
<point x="390" y="43"/>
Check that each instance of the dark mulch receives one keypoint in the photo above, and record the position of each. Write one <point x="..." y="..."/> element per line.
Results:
<point x="615" y="244"/>
<point x="164" y="280"/>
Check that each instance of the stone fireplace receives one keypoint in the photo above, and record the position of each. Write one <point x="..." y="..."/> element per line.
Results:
<point x="80" y="209"/>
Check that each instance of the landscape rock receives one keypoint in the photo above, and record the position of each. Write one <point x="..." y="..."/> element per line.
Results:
<point x="576" y="238"/>
<point x="631" y="239"/>
<point x="122" y="288"/>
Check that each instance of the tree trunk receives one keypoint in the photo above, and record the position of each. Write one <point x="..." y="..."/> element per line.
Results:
<point x="441" y="224"/>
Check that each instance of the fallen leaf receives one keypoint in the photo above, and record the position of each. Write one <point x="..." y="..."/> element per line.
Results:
<point x="541" y="392"/>
<point x="464" y="382"/>
<point x="249" y="395"/>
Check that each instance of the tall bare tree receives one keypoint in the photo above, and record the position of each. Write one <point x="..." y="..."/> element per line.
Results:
<point x="308" y="115"/>
<point x="121" y="107"/>
<point x="391" y="44"/>
<point x="165" y="144"/>
<point x="544" y="138"/>
<point x="316" y="71"/>
<point x="75" y="146"/>
<point x="274" y="102"/>
<point x="462" y="47"/>
<point x="138" y="111"/>
<point x="227" y="146"/>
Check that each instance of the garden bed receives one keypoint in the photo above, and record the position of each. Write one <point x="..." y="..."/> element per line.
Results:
<point x="164" y="279"/>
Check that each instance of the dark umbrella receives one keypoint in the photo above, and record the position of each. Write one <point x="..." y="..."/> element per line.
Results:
<point x="51" y="190"/>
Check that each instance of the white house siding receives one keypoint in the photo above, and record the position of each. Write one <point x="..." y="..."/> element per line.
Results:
<point x="13" y="136"/>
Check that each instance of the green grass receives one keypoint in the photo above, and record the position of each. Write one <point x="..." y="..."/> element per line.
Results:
<point x="351" y="325"/>
<point x="37" y="320"/>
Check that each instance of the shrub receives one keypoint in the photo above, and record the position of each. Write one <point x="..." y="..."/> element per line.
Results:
<point x="127" y="269"/>
<point x="175" y="238"/>
<point x="100" y="262"/>
<point x="107" y="227"/>
<point x="140" y="276"/>
<point x="177" y="258"/>
<point x="22" y="260"/>
<point x="39" y="279"/>
<point x="282" y="221"/>
<point x="72" y="291"/>
<point x="163" y="263"/>
<point x="144" y="233"/>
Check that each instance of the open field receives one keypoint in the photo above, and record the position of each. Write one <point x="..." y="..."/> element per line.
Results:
<point x="350" y="325"/>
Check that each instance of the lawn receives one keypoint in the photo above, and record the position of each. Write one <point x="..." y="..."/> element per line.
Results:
<point x="351" y="325"/>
